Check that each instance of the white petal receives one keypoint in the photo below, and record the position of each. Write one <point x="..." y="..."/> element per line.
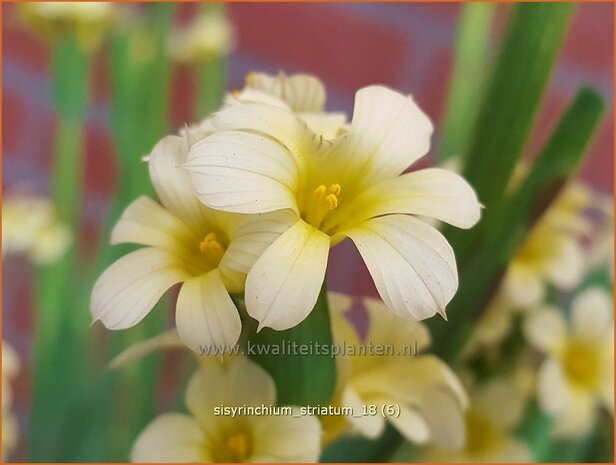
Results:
<point x="411" y="425"/>
<point x="388" y="328"/>
<point x="205" y="314"/>
<point x="283" y="285"/>
<point x="412" y="264"/>
<point x="370" y="426"/>
<point x="172" y="182"/>
<point x="238" y="382"/>
<point x="566" y="266"/>
<point x="125" y="293"/>
<point x="554" y="391"/>
<point x="388" y="133"/>
<point x="328" y="125"/>
<point x="286" y="439"/>
<point x="444" y="416"/>
<point x="592" y="314"/>
<point x="302" y="92"/>
<point x="167" y="340"/>
<point x="253" y="236"/>
<point x="577" y="418"/>
<point x="545" y="329"/>
<point x="243" y="172"/>
<point x="146" y="222"/>
<point x="513" y="451"/>
<point x="172" y="437"/>
<point x="432" y="192"/>
<point x="522" y="286"/>
<point x="270" y="120"/>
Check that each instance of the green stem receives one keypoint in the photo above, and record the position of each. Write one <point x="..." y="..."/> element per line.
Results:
<point x="212" y="79"/>
<point x="300" y="379"/>
<point x="471" y="53"/>
<point x="54" y="382"/>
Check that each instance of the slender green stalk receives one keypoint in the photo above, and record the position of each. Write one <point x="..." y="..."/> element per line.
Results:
<point x="300" y="379"/>
<point x="212" y="80"/>
<point x="467" y="79"/>
<point x="53" y="382"/>
<point x="556" y="164"/>
<point x="510" y="104"/>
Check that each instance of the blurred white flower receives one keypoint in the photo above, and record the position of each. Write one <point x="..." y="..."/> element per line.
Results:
<point x="552" y="252"/>
<point x="491" y="329"/>
<point x="30" y="226"/>
<point x="208" y="36"/>
<point x="496" y="408"/>
<point x="302" y="94"/>
<point x="601" y="252"/>
<point x="86" y="21"/>
<point x="204" y="436"/>
<point x="264" y="158"/>
<point x="578" y="373"/>
<point x="10" y="367"/>
<point x="428" y="393"/>
<point x="208" y="252"/>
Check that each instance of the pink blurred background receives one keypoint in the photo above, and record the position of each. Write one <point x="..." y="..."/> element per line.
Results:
<point x="348" y="45"/>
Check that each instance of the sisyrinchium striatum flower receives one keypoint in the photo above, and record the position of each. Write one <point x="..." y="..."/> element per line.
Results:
<point x="265" y="158"/>
<point x="429" y="395"/>
<point x="207" y="436"/>
<point x="208" y="252"/>
<point x="577" y="376"/>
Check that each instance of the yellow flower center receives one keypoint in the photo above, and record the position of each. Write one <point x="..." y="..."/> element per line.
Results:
<point x="235" y="448"/>
<point x="212" y="248"/>
<point x="582" y="364"/>
<point x="480" y="433"/>
<point x="324" y="200"/>
<point x="210" y="245"/>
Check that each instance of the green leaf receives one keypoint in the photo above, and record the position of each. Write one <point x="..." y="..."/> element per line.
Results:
<point x="510" y="105"/>
<point x="480" y="275"/>
<point x="467" y="79"/>
<point x="212" y="80"/>
<point x="70" y="79"/>
<point x="308" y="379"/>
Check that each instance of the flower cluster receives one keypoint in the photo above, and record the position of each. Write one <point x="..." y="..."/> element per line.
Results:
<point x="253" y="199"/>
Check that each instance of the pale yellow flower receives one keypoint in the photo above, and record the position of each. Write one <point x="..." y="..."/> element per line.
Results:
<point x="10" y="367"/>
<point x="578" y="374"/>
<point x="204" y="436"/>
<point x="496" y="407"/>
<point x="209" y="35"/>
<point x="303" y="94"/>
<point x="86" y="21"/>
<point x="491" y="329"/>
<point x="30" y="226"/>
<point x="265" y="158"/>
<point x="208" y="252"/>
<point x="430" y="397"/>
<point x="552" y="253"/>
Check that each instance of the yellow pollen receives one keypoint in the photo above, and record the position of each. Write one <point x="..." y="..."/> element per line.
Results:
<point x="238" y="446"/>
<point x="332" y="201"/>
<point x="320" y="191"/>
<point x="210" y="245"/>
<point x="335" y="189"/>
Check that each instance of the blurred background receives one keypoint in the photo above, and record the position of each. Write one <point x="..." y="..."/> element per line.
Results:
<point x="408" y="47"/>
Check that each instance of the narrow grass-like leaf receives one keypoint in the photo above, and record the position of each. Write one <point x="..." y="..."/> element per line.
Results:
<point x="308" y="379"/>
<point x="509" y="106"/>
<point x="480" y="275"/>
<point x="467" y="78"/>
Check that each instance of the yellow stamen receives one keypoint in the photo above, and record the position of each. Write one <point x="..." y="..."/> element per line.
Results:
<point x="335" y="189"/>
<point x="210" y="245"/>
<point x="332" y="201"/>
<point x="320" y="191"/>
